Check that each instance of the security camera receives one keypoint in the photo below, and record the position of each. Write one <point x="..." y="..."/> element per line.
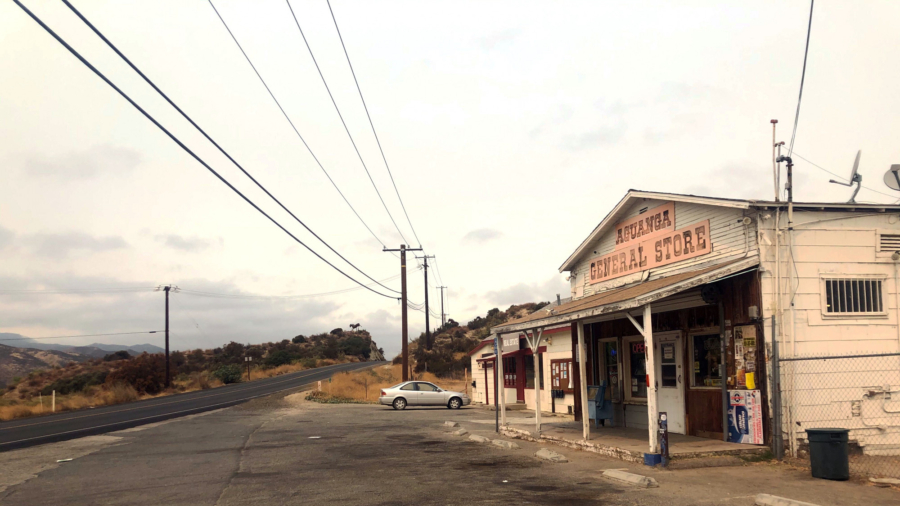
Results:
<point x="895" y="256"/>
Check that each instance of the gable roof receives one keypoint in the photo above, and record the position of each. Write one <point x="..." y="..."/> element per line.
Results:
<point x="615" y="215"/>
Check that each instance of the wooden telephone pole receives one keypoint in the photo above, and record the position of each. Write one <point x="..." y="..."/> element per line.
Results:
<point x="403" y="309"/>
<point x="428" y="343"/>
<point x="167" y="289"/>
<point x="443" y="314"/>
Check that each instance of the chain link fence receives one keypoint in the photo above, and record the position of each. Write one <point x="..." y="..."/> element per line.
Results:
<point x="856" y="392"/>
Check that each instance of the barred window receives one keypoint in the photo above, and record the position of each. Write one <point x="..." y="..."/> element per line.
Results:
<point x="853" y="296"/>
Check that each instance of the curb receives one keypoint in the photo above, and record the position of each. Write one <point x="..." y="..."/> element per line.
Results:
<point x="479" y="439"/>
<point x="460" y="432"/>
<point x="550" y="455"/>
<point x="631" y="478"/>
<point x="505" y="444"/>
<point x="451" y="424"/>
<point x="774" y="500"/>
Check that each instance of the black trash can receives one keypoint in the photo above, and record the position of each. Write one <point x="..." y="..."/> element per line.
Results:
<point x="828" y="454"/>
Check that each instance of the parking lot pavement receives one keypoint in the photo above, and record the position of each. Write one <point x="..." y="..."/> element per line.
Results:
<point x="283" y="450"/>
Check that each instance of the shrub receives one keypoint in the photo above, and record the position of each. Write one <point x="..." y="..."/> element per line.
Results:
<point x="119" y="355"/>
<point x="65" y="386"/>
<point x="278" y="358"/>
<point x="145" y="373"/>
<point x="229" y="374"/>
<point x="299" y="339"/>
<point x="308" y="363"/>
<point x="119" y="392"/>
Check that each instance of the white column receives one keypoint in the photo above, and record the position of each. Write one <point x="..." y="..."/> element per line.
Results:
<point x="535" y="343"/>
<point x="582" y="374"/>
<point x="501" y="389"/>
<point x="652" y="404"/>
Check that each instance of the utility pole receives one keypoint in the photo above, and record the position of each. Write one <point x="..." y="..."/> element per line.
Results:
<point x="443" y="314"/>
<point x="428" y="343"/>
<point x="167" y="289"/>
<point x="404" y="327"/>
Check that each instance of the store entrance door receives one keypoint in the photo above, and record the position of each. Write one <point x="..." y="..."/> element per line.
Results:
<point x="670" y="371"/>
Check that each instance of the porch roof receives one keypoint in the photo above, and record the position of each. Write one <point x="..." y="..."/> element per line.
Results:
<point x="626" y="297"/>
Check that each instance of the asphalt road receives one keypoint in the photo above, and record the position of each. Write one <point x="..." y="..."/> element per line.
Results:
<point x="73" y="424"/>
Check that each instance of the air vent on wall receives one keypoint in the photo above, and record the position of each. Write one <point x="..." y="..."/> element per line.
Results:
<point x="889" y="242"/>
<point x="643" y="210"/>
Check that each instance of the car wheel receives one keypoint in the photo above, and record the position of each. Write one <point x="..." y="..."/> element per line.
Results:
<point x="455" y="403"/>
<point x="399" y="403"/>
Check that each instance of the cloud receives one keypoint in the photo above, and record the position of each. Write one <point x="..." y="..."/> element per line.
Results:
<point x="603" y="136"/>
<point x="59" y="246"/>
<point x="491" y="41"/>
<point x="6" y="237"/>
<point x="181" y="243"/>
<point x="481" y="236"/>
<point x="85" y="164"/>
<point x="529" y="292"/>
<point x="735" y="180"/>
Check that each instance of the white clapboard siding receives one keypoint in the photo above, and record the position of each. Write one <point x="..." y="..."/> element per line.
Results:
<point x="730" y="240"/>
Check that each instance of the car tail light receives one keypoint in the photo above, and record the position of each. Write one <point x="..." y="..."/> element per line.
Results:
<point x="383" y="394"/>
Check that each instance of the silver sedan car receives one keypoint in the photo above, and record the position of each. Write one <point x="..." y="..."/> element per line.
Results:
<point x="422" y="393"/>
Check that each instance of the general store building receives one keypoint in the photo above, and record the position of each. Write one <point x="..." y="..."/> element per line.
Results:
<point x="677" y="301"/>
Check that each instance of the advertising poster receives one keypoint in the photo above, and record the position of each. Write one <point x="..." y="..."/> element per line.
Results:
<point x="745" y="424"/>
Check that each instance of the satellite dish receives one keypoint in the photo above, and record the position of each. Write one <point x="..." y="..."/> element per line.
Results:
<point x="891" y="178"/>
<point x="855" y="177"/>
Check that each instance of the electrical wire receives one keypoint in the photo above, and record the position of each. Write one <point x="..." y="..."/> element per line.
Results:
<point x="294" y="127"/>
<point x="377" y="140"/>
<point x="341" y="116"/>
<point x="802" y="78"/>
<point x="214" y="143"/>
<point x="85" y="291"/>
<point x="222" y="295"/>
<point x="184" y="147"/>
<point x="83" y="335"/>
<point x="798" y="155"/>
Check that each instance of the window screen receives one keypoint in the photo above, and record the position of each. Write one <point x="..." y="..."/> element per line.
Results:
<point x="707" y="355"/>
<point x="638" y="362"/>
<point x="853" y="296"/>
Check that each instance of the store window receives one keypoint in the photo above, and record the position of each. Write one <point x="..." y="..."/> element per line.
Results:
<point x="636" y="369"/>
<point x="529" y="372"/>
<point x="706" y="354"/>
<point x="509" y="372"/>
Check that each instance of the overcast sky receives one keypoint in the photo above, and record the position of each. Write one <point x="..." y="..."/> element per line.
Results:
<point x="511" y="129"/>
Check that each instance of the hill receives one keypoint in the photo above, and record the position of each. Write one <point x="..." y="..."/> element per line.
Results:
<point x="451" y="342"/>
<point x="18" y="362"/>
<point x="94" y="350"/>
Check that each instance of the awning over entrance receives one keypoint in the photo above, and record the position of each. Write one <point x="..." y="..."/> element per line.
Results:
<point x="626" y="297"/>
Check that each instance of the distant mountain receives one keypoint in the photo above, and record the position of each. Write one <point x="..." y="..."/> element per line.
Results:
<point x="95" y="350"/>
<point x="20" y="361"/>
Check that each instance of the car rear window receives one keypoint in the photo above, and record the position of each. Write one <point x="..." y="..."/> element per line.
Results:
<point x="409" y="386"/>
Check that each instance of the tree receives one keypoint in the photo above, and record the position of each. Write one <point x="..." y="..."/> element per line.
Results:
<point x="299" y="339"/>
<point x="277" y="358"/>
<point x="229" y="374"/>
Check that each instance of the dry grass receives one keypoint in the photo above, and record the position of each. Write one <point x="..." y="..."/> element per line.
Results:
<point x="28" y="403"/>
<point x="366" y="385"/>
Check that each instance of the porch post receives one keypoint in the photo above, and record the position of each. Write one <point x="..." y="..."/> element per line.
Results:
<point x="535" y="343"/>
<point x="501" y="384"/>
<point x="582" y="376"/>
<point x="652" y="404"/>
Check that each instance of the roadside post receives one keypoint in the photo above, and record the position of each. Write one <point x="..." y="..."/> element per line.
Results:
<point x="248" y="360"/>
<point x="53" y="403"/>
<point x="496" y="386"/>
<point x="664" y="438"/>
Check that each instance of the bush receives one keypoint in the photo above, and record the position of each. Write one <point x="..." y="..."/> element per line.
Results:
<point x="278" y="358"/>
<point x="119" y="355"/>
<point x="299" y="339"/>
<point x="308" y="363"/>
<point x="229" y="374"/>
<point x="145" y="373"/>
<point x="65" y="386"/>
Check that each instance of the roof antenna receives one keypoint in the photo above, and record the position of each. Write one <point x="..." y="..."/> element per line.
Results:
<point x="855" y="177"/>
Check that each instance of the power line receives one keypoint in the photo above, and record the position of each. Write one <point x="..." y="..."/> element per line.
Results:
<point x="184" y="147"/>
<point x="292" y="124"/>
<point x="341" y="116"/>
<point x="798" y="155"/>
<point x="223" y="295"/>
<point x="210" y="139"/>
<point x="802" y="78"/>
<point x="85" y="291"/>
<point x="83" y="335"/>
<point x="377" y="140"/>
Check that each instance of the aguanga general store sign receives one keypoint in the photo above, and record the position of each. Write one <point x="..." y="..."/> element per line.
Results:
<point x="650" y="240"/>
